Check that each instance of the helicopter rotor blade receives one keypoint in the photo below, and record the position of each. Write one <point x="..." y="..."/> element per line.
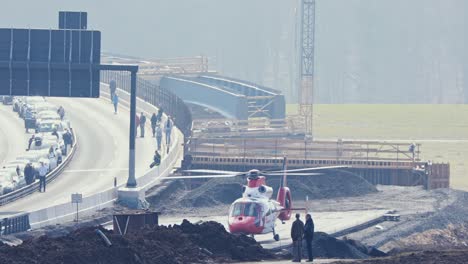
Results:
<point x="294" y="174"/>
<point x="213" y="171"/>
<point x="313" y="169"/>
<point x="201" y="177"/>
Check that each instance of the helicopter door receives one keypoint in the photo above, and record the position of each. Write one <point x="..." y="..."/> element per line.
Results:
<point x="255" y="210"/>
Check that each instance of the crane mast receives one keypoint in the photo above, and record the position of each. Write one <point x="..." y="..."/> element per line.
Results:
<point x="307" y="46"/>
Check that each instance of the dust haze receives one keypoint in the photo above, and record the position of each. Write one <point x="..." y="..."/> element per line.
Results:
<point x="367" y="51"/>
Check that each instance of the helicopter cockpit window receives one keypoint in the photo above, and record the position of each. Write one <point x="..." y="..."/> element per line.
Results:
<point x="245" y="209"/>
<point x="250" y="209"/>
<point x="236" y="209"/>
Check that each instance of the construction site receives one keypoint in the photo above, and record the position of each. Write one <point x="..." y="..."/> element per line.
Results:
<point x="238" y="163"/>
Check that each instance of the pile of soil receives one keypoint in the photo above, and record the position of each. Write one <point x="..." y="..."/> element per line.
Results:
<point x="452" y="237"/>
<point x="179" y="194"/>
<point x="422" y="257"/>
<point x="326" y="246"/>
<point x="186" y="243"/>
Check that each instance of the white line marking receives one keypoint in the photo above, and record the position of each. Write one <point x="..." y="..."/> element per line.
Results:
<point x="95" y="170"/>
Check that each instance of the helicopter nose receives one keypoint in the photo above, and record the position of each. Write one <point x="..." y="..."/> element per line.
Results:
<point x="244" y="224"/>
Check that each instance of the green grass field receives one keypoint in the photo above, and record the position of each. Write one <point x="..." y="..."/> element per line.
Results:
<point x="441" y="129"/>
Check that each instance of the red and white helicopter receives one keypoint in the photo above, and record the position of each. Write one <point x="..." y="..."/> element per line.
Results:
<point x="256" y="212"/>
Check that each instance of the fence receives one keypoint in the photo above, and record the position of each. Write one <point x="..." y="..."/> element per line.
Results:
<point x="15" y="224"/>
<point x="157" y="96"/>
<point x="302" y="149"/>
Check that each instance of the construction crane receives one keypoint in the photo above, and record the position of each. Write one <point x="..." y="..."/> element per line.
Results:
<point x="307" y="46"/>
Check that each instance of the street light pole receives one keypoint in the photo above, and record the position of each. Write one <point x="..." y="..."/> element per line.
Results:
<point x="130" y="196"/>
<point x="131" y="182"/>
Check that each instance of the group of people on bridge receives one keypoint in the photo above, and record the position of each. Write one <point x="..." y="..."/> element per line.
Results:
<point x="158" y="127"/>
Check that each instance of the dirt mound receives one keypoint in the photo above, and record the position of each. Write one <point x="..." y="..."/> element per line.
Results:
<point x="423" y="257"/>
<point x="452" y="237"/>
<point x="186" y="243"/>
<point x="224" y="191"/>
<point x="326" y="246"/>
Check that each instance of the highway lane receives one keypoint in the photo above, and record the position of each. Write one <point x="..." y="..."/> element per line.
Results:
<point x="13" y="139"/>
<point x="102" y="154"/>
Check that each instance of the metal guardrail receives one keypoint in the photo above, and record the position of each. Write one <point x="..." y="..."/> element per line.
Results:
<point x="359" y="227"/>
<point x="33" y="187"/>
<point x="14" y="224"/>
<point x="157" y="96"/>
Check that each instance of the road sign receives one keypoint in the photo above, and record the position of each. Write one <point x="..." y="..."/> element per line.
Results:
<point x="73" y="20"/>
<point x="77" y="198"/>
<point x="61" y="63"/>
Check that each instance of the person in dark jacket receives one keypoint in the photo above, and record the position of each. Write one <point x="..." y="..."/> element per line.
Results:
<point x="31" y="140"/>
<point x="67" y="140"/>
<point x="61" y="112"/>
<point x="29" y="173"/>
<point x="297" y="231"/>
<point x="154" y="121"/>
<point x="309" y="235"/>
<point x="55" y="133"/>
<point x="160" y="113"/>
<point x="156" y="159"/>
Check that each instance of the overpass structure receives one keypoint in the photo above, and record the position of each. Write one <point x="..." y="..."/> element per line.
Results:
<point x="231" y="97"/>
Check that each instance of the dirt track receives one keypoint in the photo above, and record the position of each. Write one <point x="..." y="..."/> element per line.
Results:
<point x="425" y="257"/>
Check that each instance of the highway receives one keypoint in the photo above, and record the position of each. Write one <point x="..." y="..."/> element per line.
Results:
<point x="13" y="139"/>
<point x="102" y="154"/>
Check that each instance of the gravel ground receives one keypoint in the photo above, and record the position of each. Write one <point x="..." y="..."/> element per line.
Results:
<point x="420" y="211"/>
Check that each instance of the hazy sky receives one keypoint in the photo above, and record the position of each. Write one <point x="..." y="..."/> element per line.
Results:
<point x="366" y="50"/>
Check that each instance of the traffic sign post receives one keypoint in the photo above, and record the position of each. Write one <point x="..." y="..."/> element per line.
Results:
<point x="54" y="62"/>
<point x="76" y="198"/>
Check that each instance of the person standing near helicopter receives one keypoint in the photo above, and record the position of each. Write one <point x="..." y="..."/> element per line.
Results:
<point x="309" y="235"/>
<point x="297" y="232"/>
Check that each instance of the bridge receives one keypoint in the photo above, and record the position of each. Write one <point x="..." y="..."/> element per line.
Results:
<point x="232" y="98"/>
<point x="99" y="166"/>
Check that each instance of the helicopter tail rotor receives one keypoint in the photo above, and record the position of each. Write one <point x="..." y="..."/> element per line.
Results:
<point x="285" y="200"/>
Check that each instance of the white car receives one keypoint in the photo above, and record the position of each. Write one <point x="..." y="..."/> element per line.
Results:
<point x="47" y="115"/>
<point x="48" y="126"/>
<point x="28" y="102"/>
<point x="44" y="106"/>
<point x="33" y="155"/>
<point x="5" y="186"/>
<point x="10" y="181"/>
